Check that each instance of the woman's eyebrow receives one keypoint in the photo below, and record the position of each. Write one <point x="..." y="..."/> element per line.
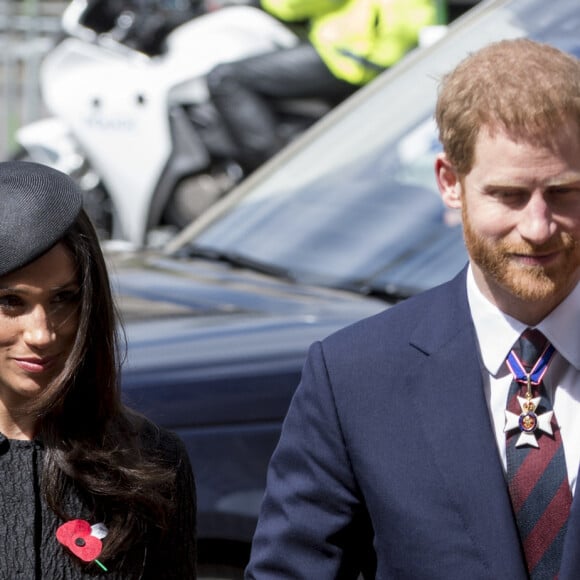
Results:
<point x="70" y="283"/>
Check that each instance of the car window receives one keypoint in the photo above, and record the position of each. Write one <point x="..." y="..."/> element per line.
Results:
<point x="354" y="204"/>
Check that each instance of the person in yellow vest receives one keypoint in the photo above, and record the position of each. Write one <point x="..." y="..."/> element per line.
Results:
<point x="346" y="45"/>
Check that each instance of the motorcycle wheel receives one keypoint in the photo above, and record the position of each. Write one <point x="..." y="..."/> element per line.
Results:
<point x="196" y="193"/>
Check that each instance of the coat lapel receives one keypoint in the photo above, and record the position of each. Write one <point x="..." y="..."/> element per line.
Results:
<point x="459" y="429"/>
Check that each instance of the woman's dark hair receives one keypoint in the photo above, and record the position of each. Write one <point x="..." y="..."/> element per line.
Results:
<point x="92" y="441"/>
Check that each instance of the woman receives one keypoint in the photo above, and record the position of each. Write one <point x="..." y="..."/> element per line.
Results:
<point x="89" y="489"/>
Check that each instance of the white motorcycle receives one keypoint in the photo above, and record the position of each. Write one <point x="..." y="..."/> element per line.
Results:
<point x="138" y="131"/>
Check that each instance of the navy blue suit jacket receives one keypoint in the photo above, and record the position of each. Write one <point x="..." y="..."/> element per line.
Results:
<point x="388" y="459"/>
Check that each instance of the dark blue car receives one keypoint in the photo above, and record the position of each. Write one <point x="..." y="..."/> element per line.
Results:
<point x="343" y="223"/>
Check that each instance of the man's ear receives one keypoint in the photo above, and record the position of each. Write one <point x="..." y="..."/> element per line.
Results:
<point x="448" y="182"/>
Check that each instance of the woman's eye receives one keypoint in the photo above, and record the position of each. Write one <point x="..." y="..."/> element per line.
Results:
<point x="67" y="297"/>
<point x="10" y="302"/>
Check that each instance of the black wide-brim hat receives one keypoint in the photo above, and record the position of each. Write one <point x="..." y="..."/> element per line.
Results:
<point x="38" y="205"/>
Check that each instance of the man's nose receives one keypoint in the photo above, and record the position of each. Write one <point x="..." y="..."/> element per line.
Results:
<point x="536" y="223"/>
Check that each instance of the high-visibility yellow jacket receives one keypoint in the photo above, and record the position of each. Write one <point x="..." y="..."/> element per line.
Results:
<point x="297" y="10"/>
<point x="357" y="39"/>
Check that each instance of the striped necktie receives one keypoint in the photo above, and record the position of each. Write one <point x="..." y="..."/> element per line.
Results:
<point x="536" y="468"/>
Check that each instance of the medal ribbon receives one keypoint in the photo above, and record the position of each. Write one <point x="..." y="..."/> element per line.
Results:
<point x="538" y="371"/>
<point x="536" y="472"/>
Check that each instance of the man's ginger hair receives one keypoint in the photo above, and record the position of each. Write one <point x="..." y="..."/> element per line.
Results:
<point x="525" y="88"/>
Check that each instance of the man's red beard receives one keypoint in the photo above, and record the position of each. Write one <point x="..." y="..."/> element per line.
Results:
<point x="498" y="260"/>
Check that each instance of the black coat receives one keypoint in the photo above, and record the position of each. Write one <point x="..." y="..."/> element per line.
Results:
<point x="29" y="549"/>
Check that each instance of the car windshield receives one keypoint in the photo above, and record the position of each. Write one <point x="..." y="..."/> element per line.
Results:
<point x="354" y="203"/>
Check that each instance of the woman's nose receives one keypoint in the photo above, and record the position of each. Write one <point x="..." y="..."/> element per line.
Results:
<point x="39" y="330"/>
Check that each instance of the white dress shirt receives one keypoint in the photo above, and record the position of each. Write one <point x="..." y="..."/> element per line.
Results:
<point x="497" y="332"/>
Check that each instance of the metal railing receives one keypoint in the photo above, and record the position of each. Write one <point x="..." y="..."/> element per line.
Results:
<point x="28" y="29"/>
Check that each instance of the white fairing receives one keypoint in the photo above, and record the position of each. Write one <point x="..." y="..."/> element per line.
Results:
<point x="114" y="101"/>
<point x="48" y="141"/>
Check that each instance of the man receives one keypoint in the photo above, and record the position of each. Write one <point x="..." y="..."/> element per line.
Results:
<point x="349" y="42"/>
<point x="411" y="449"/>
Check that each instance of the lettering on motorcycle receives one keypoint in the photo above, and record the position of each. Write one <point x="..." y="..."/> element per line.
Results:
<point x="98" y="122"/>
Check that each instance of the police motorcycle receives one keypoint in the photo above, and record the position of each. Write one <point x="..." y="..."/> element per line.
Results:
<point x="134" y="124"/>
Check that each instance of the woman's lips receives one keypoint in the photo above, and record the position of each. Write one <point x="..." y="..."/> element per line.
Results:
<point x="35" y="365"/>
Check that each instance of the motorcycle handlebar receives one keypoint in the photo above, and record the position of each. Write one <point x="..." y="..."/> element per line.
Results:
<point x="141" y="25"/>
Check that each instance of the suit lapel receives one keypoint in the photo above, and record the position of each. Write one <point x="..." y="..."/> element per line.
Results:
<point x="457" y="425"/>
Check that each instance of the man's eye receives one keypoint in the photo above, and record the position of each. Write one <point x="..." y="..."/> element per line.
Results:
<point x="565" y="190"/>
<point x="511" y="197"/>
<point x="508" y="193"/>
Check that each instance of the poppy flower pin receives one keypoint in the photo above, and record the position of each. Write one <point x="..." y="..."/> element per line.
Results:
<point x="83" y="540"/>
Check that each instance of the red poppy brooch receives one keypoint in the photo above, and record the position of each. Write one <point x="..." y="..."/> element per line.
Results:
<point x="83" y="540"/>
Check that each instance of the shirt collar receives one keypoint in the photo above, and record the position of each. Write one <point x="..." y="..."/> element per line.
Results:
<point x="497" y="332"/>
